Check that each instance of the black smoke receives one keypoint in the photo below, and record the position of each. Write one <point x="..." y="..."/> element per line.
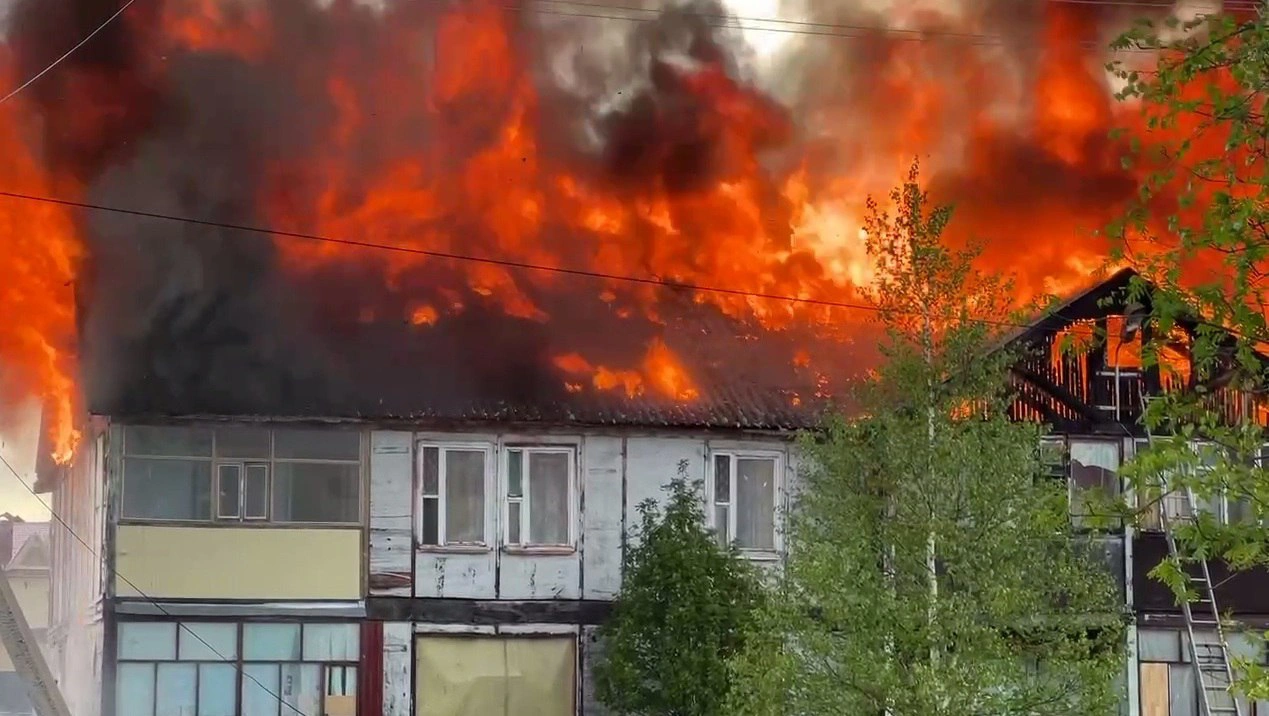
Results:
<point x="193" y="317"/>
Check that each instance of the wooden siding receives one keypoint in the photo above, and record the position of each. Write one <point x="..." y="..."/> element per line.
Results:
<point x="391" y="528"/>
<point x="615" y="472"/>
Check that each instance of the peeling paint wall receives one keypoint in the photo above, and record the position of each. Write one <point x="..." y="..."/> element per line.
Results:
<point x="615" y="472"/>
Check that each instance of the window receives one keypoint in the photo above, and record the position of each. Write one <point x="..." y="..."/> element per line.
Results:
<point x="1177" y="505"/>
<point x="538" y="490"/>
<point x="495" y="676"/>
<point x="743" y="489"/>
<point x="1093" y="482"/>
<point x="242" y="474"/>
<point x="452" y="482"/>
<point x="193" y="668"/>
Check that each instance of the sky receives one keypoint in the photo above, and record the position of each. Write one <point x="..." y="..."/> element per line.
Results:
<point x="19" y="430"/>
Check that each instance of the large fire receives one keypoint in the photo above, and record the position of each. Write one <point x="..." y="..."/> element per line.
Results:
<point x="653" y="147"/>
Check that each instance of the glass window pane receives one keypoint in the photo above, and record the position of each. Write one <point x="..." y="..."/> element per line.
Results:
<point x="722" y="478"/>
<point x="271" y="642"/>
<point x="260" y="687"/>
<point x="513" y="523"/>
<point x="464" y="496"/>
<point x="755" y="503"/>
<point x="243" y="442"/>
<point x="135" y="689"/>
<point x="175" y="689"/>
<point x="332" y="642"/>
<point x="179" y="441"/>
<point x="316" y="492"/>
<point x="217" y="695"/>
<point x="301" y="689"/>
<point x="515" y="473"/>
<point x="1094" y="479"/>
<point x="317" y="444"/>
<point x="255" y="503"/>
<point x="229" y="483"/>
<point x="341" y="681"/>
<point x="431" y="471"/>
<point x="431" y="524"/>
<point x="548" y="497"/>
<point x="151" y="641"/>
<point x="720" y="525"/>
<point x="202" y="641"/>
<point x="166" y="489"/>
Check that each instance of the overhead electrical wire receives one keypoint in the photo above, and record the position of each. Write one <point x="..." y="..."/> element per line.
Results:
<point x="734" y="22"/>
<point x="68" y="53"/>
<point x="487" y="260"/>
<point x="180" y="624"/>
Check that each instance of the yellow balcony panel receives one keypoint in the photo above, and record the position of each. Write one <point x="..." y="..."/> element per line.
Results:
<point x="178" y="562"/>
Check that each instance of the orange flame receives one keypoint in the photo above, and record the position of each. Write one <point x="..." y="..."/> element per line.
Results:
<point x="38" y="261"/>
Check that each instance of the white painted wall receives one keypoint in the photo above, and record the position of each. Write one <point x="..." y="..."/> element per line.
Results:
<point x="75" y="634"/>
<point x="616" y="471"/>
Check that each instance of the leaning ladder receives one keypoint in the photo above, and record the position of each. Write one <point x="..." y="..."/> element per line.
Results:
<point x="18" y="640"/>
<point x="1210" y="659"/>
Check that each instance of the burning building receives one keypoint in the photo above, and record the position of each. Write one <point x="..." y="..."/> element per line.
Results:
<point x="388" y="313"/>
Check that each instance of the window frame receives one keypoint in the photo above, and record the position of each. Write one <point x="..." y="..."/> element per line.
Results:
<point x="573" y="452"/>
<point x="1079" y="521"/>
<point x="239" y="661"/>
<point x="487" y="527"/>
<point x="215" y="462"/>
<point x="735" y="454"/>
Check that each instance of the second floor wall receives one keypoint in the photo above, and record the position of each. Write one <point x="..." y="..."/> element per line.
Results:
<point x="510" y="515"/>
<point x="234" y="512"/>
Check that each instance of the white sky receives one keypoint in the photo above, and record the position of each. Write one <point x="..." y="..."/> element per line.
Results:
<point x="18" y="438"/>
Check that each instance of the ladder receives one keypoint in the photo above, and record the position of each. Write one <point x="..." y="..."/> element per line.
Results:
<point x="24" y="652"/>
<point x="1209" y="657"/>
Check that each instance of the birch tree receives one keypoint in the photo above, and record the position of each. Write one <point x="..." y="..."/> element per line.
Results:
<point x="932" y="570"/>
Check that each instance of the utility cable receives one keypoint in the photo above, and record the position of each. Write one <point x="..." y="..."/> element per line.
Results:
<point x="68" y="53"/>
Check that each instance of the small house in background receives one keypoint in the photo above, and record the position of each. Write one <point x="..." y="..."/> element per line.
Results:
<point x="24" y="557"/>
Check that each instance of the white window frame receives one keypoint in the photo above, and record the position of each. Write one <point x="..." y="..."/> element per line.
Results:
<point x="523" y="502"/>
<point x="734" y="455"/>
<point x="442" y="541"/>
<point x="244" y="469"/>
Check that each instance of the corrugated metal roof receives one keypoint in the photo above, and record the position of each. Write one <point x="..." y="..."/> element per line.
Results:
<point x="494" y="368"/>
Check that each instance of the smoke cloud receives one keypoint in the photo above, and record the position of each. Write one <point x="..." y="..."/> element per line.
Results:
<point x="660" y="145"/>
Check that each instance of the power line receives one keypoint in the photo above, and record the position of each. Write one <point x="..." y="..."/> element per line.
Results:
<point x="488" y="260"/>
<point x="180" y="624"/>
<point x="68" y="53"/>
<point x="806" y="28"/>
<point x="1236" y="5"/>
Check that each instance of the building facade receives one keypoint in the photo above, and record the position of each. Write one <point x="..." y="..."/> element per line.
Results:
<point x="273" y="568"/>
<point x="1081" y="373"/>
<point x="462" y="562"/>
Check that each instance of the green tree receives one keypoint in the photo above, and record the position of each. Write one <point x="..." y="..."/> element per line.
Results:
<point x="684" y="610"/>
<point x="931" y="567"/>
<point x="1199" y="231"/>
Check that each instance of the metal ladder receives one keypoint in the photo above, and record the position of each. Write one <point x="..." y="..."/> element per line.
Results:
<point x="24" y="652"/>
<point x="1210" y="658"/>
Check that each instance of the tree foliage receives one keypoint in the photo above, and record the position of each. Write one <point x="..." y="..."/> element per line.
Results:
<point x="931" y="569"/>
<point x="1200" y="231"/>
<point x="684" y="610"/>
